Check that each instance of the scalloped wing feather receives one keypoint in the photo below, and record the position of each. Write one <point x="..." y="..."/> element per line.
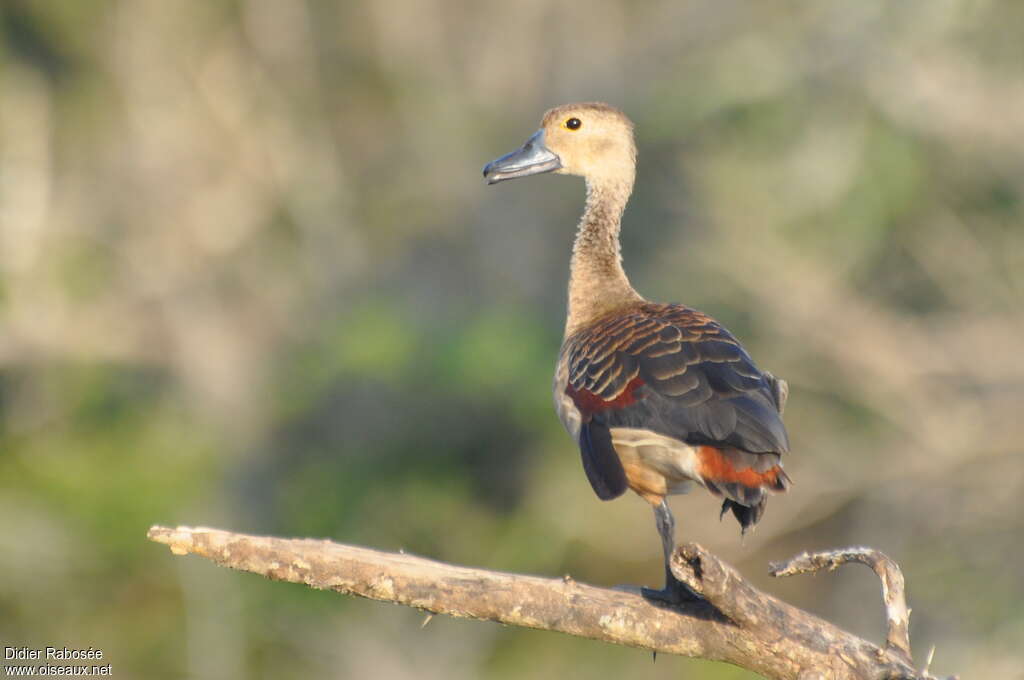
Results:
<point x="687" y="376"/>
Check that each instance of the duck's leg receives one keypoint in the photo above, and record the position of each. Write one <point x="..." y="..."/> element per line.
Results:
<point x="675" y="591"/>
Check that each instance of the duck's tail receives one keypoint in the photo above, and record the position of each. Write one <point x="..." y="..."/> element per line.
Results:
<point x="744" y="479"/>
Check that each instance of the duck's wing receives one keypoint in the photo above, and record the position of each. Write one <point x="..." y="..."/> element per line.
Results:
<point x="671" y="370"/>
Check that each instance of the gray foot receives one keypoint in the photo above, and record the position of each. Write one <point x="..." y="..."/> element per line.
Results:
<point x="674" y="592"/>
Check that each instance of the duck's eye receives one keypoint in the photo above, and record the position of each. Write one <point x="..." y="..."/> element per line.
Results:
<point x="573" y="123"/>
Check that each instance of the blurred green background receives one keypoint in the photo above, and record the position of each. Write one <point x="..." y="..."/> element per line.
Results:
<point x="250" y="277"/>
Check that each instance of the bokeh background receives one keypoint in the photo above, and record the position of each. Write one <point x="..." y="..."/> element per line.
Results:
<point x="250" y="277"/>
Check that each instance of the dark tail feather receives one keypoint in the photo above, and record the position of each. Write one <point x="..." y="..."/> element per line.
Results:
<point x="747" y="516"/>
<point x="744" y="479"/>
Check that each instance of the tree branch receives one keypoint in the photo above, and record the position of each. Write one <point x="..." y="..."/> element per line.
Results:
<point x="735" y="622"/>
<point x="897" y="615"/>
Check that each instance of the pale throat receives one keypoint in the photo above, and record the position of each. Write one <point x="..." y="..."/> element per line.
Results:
<point x="597" y="282"/>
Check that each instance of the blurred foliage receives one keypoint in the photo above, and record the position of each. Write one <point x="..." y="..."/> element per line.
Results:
<point x="250" y="277"/>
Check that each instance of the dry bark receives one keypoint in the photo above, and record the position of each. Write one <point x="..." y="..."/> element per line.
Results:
<point x="897" y="614"/>
<point x="735" y="622"/>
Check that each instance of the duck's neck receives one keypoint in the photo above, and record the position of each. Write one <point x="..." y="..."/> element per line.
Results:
<point x="597" y="282"/>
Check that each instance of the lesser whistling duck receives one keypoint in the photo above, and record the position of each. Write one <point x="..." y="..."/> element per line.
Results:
<point x="657" y="396"/>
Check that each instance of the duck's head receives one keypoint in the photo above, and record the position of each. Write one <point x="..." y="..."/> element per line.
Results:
<point x="591" y="139"/>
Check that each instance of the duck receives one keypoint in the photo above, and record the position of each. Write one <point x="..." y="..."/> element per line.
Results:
<point x="659" y="398"/>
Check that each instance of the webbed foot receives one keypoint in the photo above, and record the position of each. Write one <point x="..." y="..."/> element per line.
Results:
<point x="674" y="592"/>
